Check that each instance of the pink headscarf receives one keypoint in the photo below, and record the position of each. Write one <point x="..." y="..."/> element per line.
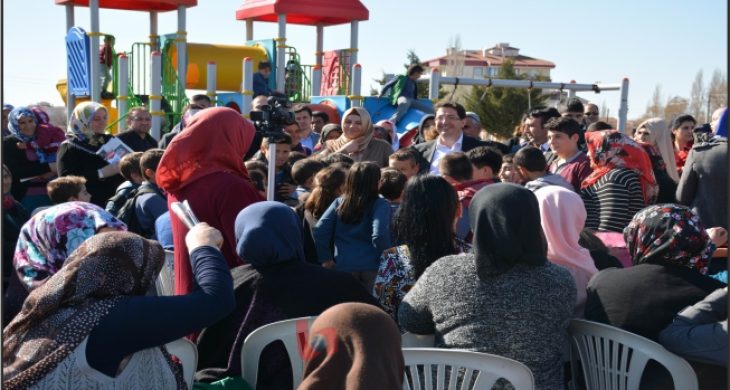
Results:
<point x="394" y="132"/>
<point x="563" y="216"/>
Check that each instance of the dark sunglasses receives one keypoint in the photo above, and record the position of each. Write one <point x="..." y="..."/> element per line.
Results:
<point x="591" y="113"/>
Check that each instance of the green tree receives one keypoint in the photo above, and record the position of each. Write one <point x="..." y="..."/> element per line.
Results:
<point x="501" y="109"/>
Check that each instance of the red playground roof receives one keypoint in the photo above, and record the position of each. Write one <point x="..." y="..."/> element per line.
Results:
<point x="134" y="5"/>
<point x="308" y="12"/>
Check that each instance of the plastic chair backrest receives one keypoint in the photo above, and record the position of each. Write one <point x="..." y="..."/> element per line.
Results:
<point x="292" y="332"/>
<point x="165" y="283"/>
<point x="614" y="359"/>
<point x="187" y="352"/>
<point x="412" y="340"/>
<point x="426" y="367"/>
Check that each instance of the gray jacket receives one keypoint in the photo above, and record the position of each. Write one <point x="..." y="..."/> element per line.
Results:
<point x="703" y="185"/>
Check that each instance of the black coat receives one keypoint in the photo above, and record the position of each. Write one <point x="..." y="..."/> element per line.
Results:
<point x="73" y="160"/>
<point x="19" y="165"/>
<point x="427" y="149"/>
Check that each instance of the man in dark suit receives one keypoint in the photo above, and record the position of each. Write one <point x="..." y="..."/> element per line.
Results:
<point x="450" y="119"/>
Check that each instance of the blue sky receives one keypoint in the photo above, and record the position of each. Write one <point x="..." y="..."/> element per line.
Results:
<point x="650" y="41"/>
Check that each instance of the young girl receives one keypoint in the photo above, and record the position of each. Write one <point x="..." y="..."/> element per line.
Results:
<point x="358" y="223"/>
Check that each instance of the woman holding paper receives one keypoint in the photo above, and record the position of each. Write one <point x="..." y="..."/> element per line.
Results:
<point x="79" y="154"/>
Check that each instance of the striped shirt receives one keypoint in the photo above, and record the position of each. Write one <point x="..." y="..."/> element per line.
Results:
<point x="613" y="200"/>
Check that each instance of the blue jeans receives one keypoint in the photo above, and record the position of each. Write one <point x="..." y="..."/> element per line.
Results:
<point x="406" y="103"/>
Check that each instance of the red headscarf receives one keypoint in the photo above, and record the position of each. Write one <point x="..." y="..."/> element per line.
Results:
<point x="215" y="140"/>
<point x="611" y="149"/>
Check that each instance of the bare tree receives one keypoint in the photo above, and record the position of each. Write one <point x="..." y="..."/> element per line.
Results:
<point x="716" y="92"/>
<point x="675" y="107"/>
<point x="656" y="106"/>
<point x="697" y="98"/>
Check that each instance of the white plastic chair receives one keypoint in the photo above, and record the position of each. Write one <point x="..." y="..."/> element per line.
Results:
<point x="412" y="340"/>
<point x="473" y="370"/>
<point x="165" y="283"/>
<point x="187" y="352"/>
<point x="293" y="333"/>
<point x="613" y="358"/>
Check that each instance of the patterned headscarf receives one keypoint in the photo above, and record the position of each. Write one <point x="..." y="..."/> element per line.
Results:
<point x="668" y="234"/>
<point x="79" y="126"/>
<point x="14" y="123"/>
<point x="34" y="149"/>
<point x="41" y="117"/>
<point x="611" y="149"/>
<point x="59" y="315"/>
<point x="48" y="238"/>
<point x="362" y="141"/>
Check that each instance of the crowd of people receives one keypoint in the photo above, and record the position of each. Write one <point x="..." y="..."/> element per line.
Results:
<point x="490" y="246"/>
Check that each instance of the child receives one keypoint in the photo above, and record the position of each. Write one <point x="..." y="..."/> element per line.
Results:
<point x="392" y="183"/>
<point x="303" y="172"/>
<point x="569" y="161"/>
<point x="150" y="201"/>
<point x="48" y="136"/>
<point x="66" y="189"/>
<point x="486" y="162"/>
<point x="405" y="161"/>
<point x="508" y="173"/>
<point x="129" y="169"/>
<point x="283" y="184"/>
<point x="358" y="224"/>
<point x="106" y="58"/>
<point x="531" y="164"/>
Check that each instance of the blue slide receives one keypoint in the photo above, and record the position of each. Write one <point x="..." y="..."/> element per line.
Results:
<point x="380" y="108"/>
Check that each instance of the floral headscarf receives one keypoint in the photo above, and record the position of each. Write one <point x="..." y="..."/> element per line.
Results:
<point x="668" y="234"/>
<point x="34" y="150"/>
<point x="79" y="126"/>
<point x="48" y="238"/>
<point x="14" y="123"/>
<point x="611" y="149"/>
<point x="59" y="315"/>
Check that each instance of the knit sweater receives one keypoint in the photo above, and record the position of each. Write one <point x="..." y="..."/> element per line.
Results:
<point x="613" y="200"/>
<point x="522" y="314"/>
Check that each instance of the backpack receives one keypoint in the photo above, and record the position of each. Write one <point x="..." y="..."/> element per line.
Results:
<point x="128" y="212"/>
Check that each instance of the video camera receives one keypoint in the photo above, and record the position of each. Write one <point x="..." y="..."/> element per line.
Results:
<point x="273" y="117"/>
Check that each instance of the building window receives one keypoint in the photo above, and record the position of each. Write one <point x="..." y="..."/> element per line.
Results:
<point x="478" y="72"/>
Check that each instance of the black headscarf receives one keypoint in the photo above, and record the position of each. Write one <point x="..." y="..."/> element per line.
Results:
<point x="505" y="219"/>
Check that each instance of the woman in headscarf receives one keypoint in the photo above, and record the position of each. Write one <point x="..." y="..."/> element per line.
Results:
<point x="77" y="156"/>
<point x="424" y="223"/>
<point x="621" y="183"/>
<point x="46" y="240"/>
<point x="353" y="346"/>
<point x="506" y="298"/>
<point x="204" y="165"/>
<point x="91" y="325"/>
<point x="670" y="251"/>
<point x="357" y="140"/>
<point x="655" y="137"/>
<point x="28" y="159"/>
<point x="563" y="216"/>
<point x="330" y="132"/>
<point x="392" y="132"/>
<point x="275" y="284"/>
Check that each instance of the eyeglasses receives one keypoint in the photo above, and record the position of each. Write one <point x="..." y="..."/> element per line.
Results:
<point x="591" y="113"/>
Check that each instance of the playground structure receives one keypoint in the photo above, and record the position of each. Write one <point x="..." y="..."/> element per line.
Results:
<point x="435" y="80"/>
<point x="159" y="72"/>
